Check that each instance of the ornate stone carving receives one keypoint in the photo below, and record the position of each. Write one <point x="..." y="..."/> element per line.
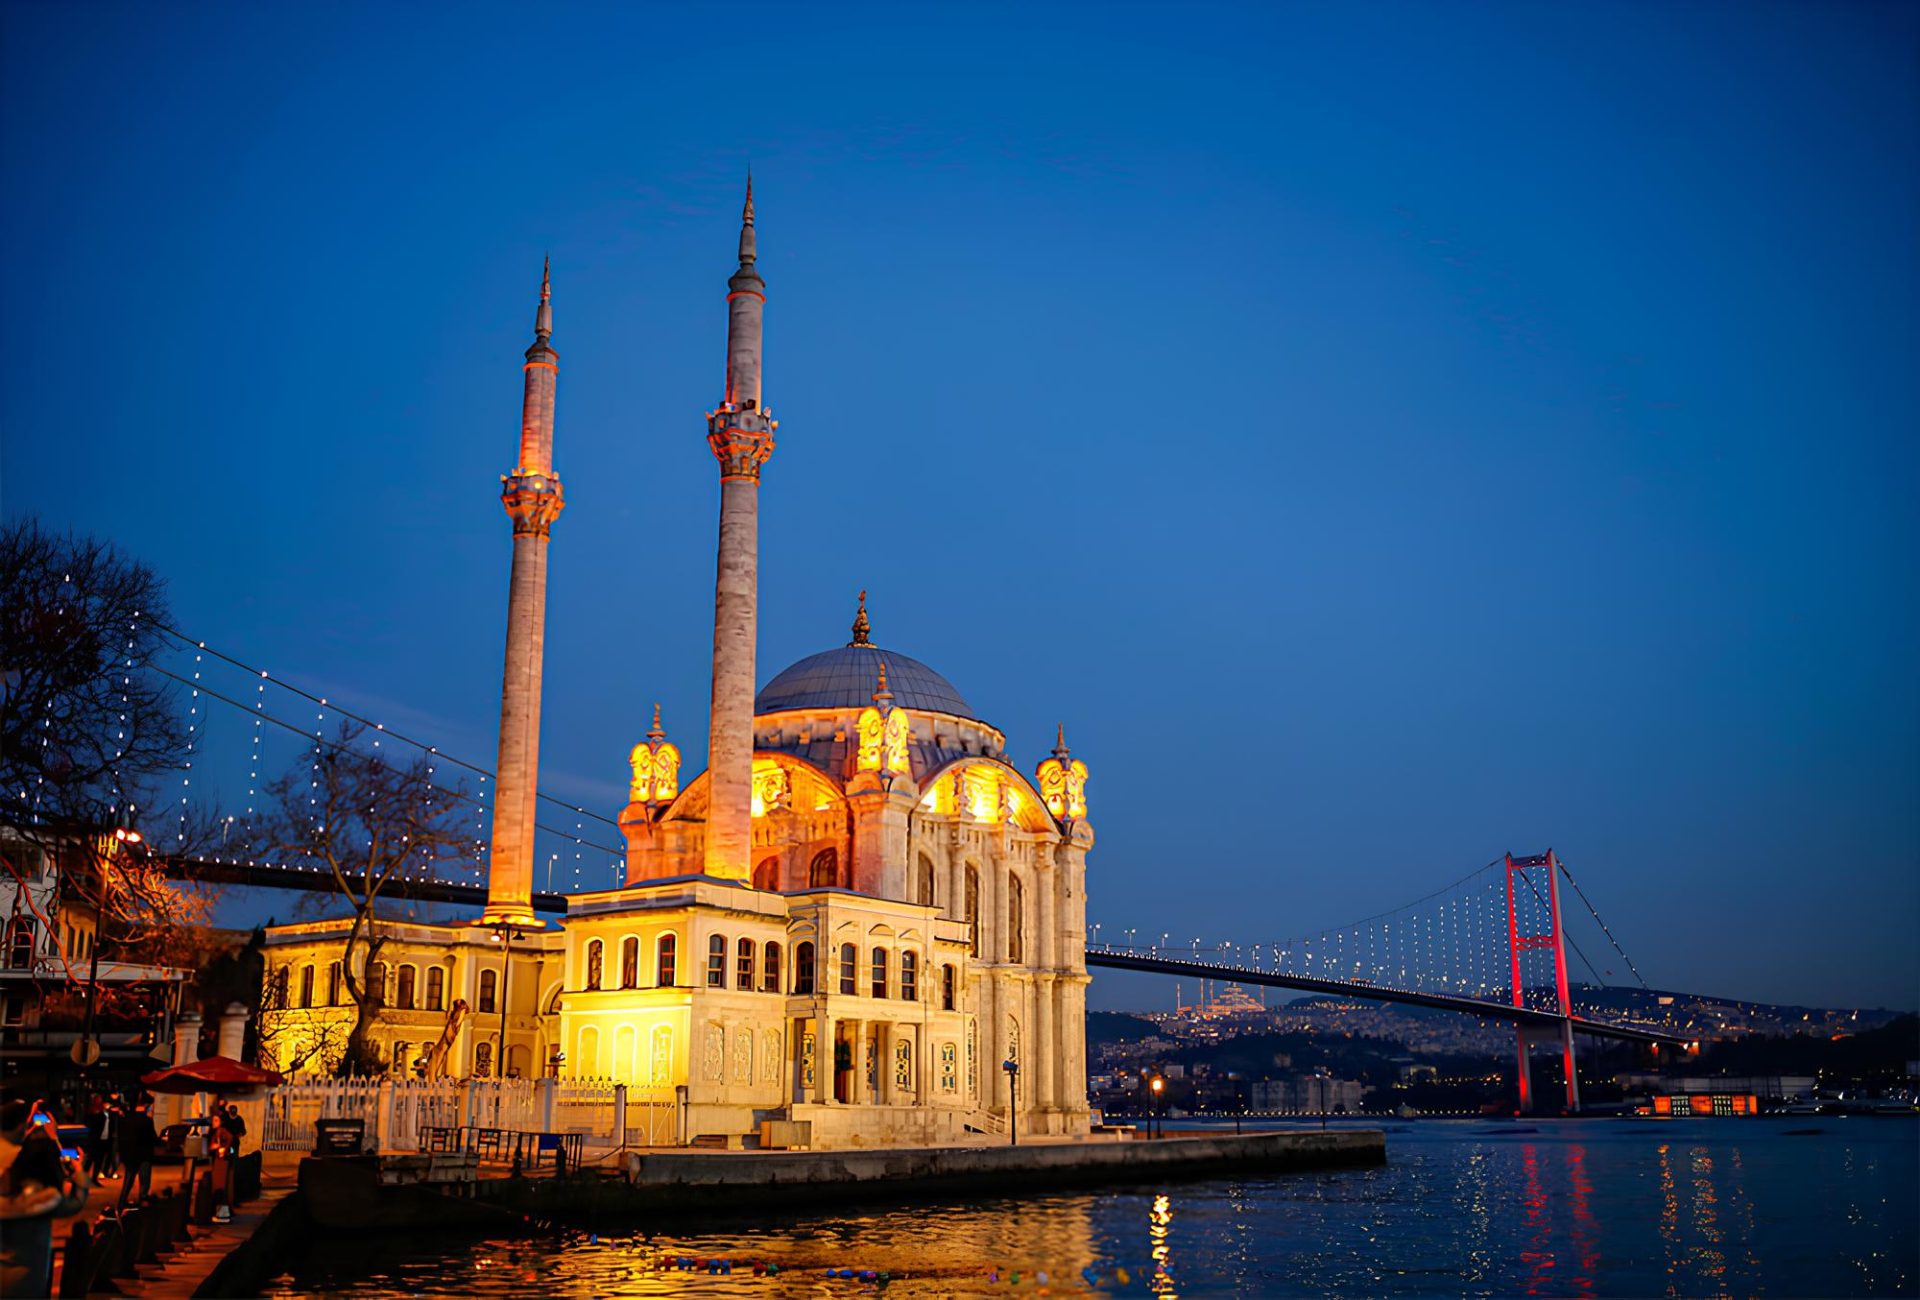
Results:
<point x="656" y="766"/>
<point x="1063" y="782"/>
<point x="742" y="440"/>
<point x="534" y="501"/>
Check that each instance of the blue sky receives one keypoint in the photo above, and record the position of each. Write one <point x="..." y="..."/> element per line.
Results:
<point x="1386" y="434"/>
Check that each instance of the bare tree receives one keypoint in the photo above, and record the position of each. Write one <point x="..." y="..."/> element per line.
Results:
<point x="88" y="730"/>
<point x="379" y="828"/>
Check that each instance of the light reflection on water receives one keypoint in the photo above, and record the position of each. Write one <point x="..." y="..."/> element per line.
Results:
<point x="1689" y="1207"/>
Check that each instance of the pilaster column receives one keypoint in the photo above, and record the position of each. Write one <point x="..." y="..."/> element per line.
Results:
<point x="823" y="1059"/>
<point x="857" y="1056"/>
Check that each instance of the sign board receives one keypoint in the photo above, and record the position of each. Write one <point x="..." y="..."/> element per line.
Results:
<point x="338" y="1137"/>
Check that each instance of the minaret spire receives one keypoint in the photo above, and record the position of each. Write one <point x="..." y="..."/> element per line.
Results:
<point x="533" y="500"/>
<point x="741" y="436"/>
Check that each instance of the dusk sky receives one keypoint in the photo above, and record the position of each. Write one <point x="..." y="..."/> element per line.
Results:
<point x="1386" y="435"/>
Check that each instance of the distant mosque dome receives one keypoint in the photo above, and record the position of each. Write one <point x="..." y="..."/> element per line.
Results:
<point x="844" y="678"/>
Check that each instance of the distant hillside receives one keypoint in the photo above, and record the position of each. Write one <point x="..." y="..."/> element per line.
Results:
<point x="1116" y="1027"/>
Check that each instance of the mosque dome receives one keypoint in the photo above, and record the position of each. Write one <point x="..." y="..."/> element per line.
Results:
<point x="844" y="678"/>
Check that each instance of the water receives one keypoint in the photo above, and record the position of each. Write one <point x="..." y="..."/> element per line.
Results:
<point x="1554" y="1208"/>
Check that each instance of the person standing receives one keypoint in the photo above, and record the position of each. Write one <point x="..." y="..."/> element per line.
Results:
<point x="110" y="1136"/>
<point x="137" y="1144"/>
<point x="37" y="1185"/>
<point x="96" y="1152"/>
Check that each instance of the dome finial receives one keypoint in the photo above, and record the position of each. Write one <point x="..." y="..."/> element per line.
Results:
<point x="882" y="697"/>
<point x="656" y="732"/>
<point x="860" y="625"/>
<point x="1060" y="750"/>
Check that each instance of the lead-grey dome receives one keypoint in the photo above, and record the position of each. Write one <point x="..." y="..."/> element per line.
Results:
<point x="844" y="678"/>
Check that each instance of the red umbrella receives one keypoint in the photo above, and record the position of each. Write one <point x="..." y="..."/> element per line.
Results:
<point x="210" y="1074"/>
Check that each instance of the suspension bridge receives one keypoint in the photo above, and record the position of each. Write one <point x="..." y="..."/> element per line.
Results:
<point x="1493" y="945"/>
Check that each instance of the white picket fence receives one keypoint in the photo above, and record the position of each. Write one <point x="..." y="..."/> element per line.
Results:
<point x="397" y="1112"/>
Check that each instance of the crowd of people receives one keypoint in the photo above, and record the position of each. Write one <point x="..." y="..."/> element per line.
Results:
<point x="43" y="1180"/>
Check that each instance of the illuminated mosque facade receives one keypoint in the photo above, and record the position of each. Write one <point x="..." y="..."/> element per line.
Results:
<point x="857" y="917"/>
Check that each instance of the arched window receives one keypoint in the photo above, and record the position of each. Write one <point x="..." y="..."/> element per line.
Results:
<point x="717" y="962"/>
<point x="973" y="909"/>
<point x="825" y="871"/>
<point x="376" y="985"/>
<point x="923" y="883"/>
<point x="1016" y="919"/>
<point x="596" y="953"/>
<point x="306" y="986"/>
<point x="767" y="874"/>
<point x="483" y="1057"/>
<point x="436" y="988"/>
<point x="743" y="963"/>
<point x="803" y="968"/>
<point x="630" y="963"/>
<point x="489" y="982"/>
<point x="664" y="975"/>
<point x="20" y="944"/>
<point x="909" y="977"/>
<point x="770" y="974"/>
<point x="879" y="972"/>
<point x="946" y="987"/>
<point x="849" y="969"/>
<point x="404" y="997"/>
<point x="283" y="976"/>
<point x="333" y="985"/>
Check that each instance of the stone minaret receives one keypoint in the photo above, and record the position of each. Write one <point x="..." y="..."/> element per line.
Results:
<point x="741" y="436"/>
<point x="533" y="500"/>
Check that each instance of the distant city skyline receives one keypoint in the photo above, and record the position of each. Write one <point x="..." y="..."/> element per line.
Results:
<point x="1369" y="490"/>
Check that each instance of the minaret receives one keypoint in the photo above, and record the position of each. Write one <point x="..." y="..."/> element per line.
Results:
<point x="741" y="436"/>
<point x="533" y="500"/>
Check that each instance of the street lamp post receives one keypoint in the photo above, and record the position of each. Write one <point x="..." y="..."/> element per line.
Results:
<point x="1155" y="1120"/>
<point x="1012" y="1067"/>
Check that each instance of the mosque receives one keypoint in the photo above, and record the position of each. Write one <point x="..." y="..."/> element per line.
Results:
<point x="859" y="917"/>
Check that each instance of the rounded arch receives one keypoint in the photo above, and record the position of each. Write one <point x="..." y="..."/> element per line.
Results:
<point x="1029" y="812"/>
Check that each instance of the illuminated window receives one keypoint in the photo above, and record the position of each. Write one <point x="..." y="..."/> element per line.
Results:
<point x="306" y="986"/>
<point x="629" y="963"/>
<point x="879" y="972"/>
<point x="770" y="977"/>
<point x="909" y="977"/>
<point x="489" y="982"/>
<point x="803" y="968"/>
<point x="403" y="997"/>
<point x="849" y="969"/>
<point x="436" y="989"/>
<point x="595" y="953"/>
<point x="717" y="962"/>
<point x="333" y="985"/>
<point x="743" y="964"/>
<point x="825" y="871"/>
<point x="282" y="978"/>
<point x="376" y="985"/>
<point x="665" y="974"/>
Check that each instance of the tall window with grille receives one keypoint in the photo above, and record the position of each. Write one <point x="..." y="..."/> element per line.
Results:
<point x="770" y="969"/>
<point x="436" y="988"/>
<point x="910" y="977"/>
<point x="849" y="969"/>
<point x="669" y="947"/>
<point x="947" y="982"/>
<point x="333" y="984"/>
<point x="743" y="963"/>
<point x="630" y="963"/>
<point x="973" y="909"/>
<point x="803" y="968"/>
<point x="376" y="985"/>
<point x="306" y="986"/>
<point x="596" y="954"/>
<point x="1016" y="919"/>
<point x="879" y="972"/>
<point x="403" y="995"/>
<point x="717" y="962"/>
<point x="489" y="988"/>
